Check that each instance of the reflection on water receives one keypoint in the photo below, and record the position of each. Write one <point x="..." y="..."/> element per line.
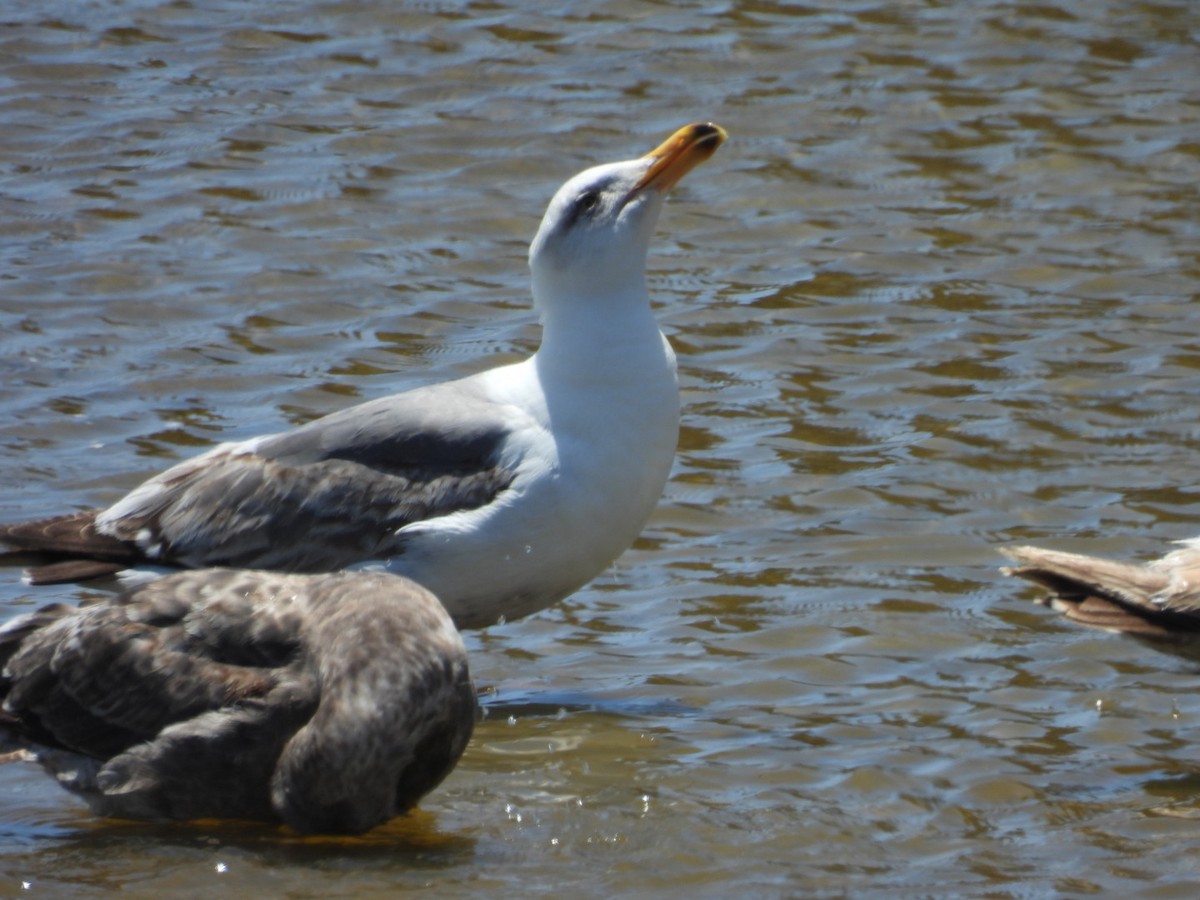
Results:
<point x="936" y="294"/>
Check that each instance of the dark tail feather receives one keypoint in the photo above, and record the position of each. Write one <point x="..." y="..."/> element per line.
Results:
<point x="73" y="534"/>
<point x="72" y="570"/>
<point x="65" y="548"/>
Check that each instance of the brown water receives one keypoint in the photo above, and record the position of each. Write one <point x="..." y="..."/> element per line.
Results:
<point x="937" y="293"/>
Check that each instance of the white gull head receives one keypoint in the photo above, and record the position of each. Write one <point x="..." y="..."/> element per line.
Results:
<point x="593" y="238"/>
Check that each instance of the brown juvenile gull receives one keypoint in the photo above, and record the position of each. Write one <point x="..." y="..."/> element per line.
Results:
<point x="328" y="702"/>
<point x="502" y="492"/>
<point x="1158" y="602"/>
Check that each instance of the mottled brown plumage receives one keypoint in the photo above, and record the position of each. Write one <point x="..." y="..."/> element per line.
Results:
<point x="1157" y="602"/>
<point x="328" y="702"/>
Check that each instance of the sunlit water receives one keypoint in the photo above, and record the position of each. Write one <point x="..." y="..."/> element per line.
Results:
<point x="936" y="294"/>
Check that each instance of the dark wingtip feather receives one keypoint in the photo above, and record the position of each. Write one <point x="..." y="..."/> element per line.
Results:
<point x="72" y="534"/>
<point x="64" y="548"/>
<point x="72" y="570"/>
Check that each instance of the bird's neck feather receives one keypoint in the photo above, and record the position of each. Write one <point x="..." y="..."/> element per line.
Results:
<point x="603" y="327"/>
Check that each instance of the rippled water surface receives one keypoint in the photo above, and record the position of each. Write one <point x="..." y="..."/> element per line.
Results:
<point x="937" y="294"/>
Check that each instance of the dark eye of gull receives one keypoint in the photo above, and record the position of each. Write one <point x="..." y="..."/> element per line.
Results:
<point x="585" y="204"/>
<point x="587" y="201"/>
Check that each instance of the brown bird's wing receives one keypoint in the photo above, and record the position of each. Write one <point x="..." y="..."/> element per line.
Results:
<point x="99" y="679"/>
<point x="1152" y="602"/>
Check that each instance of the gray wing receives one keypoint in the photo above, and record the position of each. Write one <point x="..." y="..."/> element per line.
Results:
<point x="327" y="494"/>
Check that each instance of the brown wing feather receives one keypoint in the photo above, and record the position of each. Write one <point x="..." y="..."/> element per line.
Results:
<point x="65" y="548"/>
<point x="73" y="534"/>
<point x="1130" y="599"/>
<point x="99" y="681"/>
<point x="71" y="571"/>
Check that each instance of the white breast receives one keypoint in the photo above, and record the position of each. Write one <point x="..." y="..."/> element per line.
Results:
<point x="589" y="474"/>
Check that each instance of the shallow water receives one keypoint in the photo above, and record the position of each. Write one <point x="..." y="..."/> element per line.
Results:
<point x="937" y="293"/>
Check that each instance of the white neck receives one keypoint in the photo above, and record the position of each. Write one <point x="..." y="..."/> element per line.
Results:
<point x="616" y="332"/>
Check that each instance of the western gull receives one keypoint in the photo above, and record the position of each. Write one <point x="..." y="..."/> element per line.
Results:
<point x="329" y="702"/>
<point x="1157" y="603"/>
<point x="502" y="492"/>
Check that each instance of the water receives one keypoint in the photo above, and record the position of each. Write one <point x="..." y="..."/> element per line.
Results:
<point x="937" y="293"/>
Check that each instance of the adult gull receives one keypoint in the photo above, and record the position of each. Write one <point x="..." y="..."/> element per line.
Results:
<point x="502" y="492"/>
<point x="329" y="702"/>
